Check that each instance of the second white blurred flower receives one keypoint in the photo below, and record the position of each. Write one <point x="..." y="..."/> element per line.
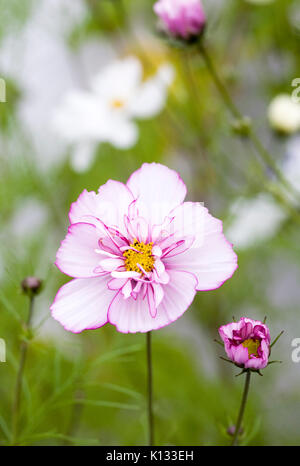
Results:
<point x="106" y="112"/>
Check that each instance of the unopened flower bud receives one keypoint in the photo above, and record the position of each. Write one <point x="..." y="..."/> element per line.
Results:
<point x="247" y="343"/>
<point x="31" y="285"/>
<point x="182" y="19"/>
<point x="242" y="126"/>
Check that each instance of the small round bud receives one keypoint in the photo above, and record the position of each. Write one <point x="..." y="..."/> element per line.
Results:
<point x="242" y="126"/>
<point x="31" y="285"/>
<point x="284" y="114"/>
<point x="231" y="430"/>
<point x="182" y="19"/>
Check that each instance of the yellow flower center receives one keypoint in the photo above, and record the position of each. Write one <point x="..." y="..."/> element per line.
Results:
<point x="117" y="103"/>
<point x="252" y="346"/>
<point x="142" y="256"/>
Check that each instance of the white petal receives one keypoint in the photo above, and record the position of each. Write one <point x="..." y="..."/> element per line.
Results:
<point x="118" y="80"/>
<point x="80" y="118"/>
<point x="152" y="95"/>
<point x="123" y="133"/>
<point x="158" y="190"/>
<point x="109" y="265"/>
<point x="86" y="206"/>
<point x="83" y="156"/>
<point x="189" y="220"/>
<point x="82" y="304"/>
<point x="130" y="315"/>
<point x="213" y="263"/>
<point x="76" y="256"/>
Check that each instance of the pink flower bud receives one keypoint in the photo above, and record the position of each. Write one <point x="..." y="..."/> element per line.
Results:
<point x="182" y="18"/>
<point x="247" y="343"/>
<point x="31" y="285"/>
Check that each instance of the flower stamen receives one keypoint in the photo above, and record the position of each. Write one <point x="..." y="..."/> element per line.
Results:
<point x="252" y="346"/>
<point x="138" y="257"/>
<point x="117" y="103"/>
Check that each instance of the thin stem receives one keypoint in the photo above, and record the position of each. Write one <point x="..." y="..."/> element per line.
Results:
<point x="242" y="409"/>
<point x="150" y="391"/>
<point x="262" y="151"/>
<point x="19" y="381"/>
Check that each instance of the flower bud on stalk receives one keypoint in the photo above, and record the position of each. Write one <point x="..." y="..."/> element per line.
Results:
<point x="248" y="346"/>
<point x="247" y="343"/>
<point x="31" y="285"/>
<point x="181" y="19"/>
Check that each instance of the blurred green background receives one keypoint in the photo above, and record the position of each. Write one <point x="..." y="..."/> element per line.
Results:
<point x="90" y="388"/>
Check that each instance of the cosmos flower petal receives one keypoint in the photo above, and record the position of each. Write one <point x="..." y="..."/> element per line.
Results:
<point x="178" y="294"/>
<point x="127" y="289"/>
<point x="240" y="354"/>
<point x="82" y="304"/>
<point x="116" y="283"/>
<point x="138" y="228"/>
<point x="76" y="256"/>
<point x="225" y="331"/>
<point x="132" y="315"/>
<point x="125" y="274"/>
<point x="213" y="263"/>
<point x="111" y="264"/>
<point x="256" y="363"/>
<point x="151" y="301"/>
<point x="85" y="207"/>
<point x="158" y="190"/>
<point x="156" y="251"/>
<point x="116" y="198"/>
<point x="189" y="221"/>
<point x="158" y="293"/>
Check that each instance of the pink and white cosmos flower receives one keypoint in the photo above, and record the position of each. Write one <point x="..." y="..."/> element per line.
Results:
<point x="247" y="343"/>
<point x="138" y="253"/>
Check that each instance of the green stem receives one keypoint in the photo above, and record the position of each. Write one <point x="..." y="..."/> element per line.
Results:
<point x="19" y="381"/>
<point x="261" y="150"/>
<point x="150" y="391"/>
<point x="242" y="410"/>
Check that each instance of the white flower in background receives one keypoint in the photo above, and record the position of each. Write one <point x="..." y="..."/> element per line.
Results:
<point x="254" y="220"/>
<point x="106" y="112"/>
<point x="291" y="164"/>
<point x="28" y="217"/>
<point x="38" y="59"/>
<point x="284" y="114"/>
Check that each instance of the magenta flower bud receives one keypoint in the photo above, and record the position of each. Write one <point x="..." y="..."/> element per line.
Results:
<point x="183" y="19"/>
<point x="247" y="343"/>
